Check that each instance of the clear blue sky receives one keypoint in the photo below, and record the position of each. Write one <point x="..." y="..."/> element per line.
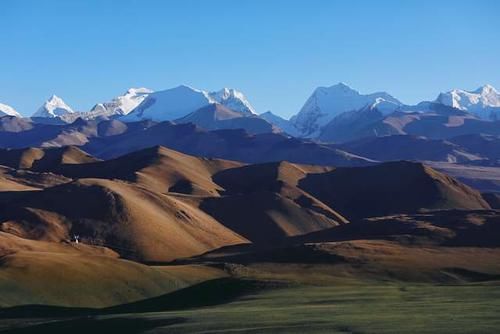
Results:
<point x="276" y="52"/>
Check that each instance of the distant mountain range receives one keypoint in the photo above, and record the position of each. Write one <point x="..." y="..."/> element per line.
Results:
<point x="337" y="113"/>
<point x="111" y="138"/>
<point x="340" y="113"/>
<point x="336" y="126"/>
<point x="483" y="102"/>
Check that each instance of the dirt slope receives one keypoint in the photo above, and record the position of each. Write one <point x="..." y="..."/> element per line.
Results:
<point x="135" y="222"/>
<point x="394" y="187"/>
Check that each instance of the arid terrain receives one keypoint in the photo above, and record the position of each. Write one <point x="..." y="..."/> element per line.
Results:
<point x="257" y="167"/>
<point x="84" y="241"/>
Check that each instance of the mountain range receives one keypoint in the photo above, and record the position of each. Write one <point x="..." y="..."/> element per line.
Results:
<point x="483" y="102"/>
<point x="171" y="200"/>
<point x="336" y="113"/>
<point x="337" y="126"/>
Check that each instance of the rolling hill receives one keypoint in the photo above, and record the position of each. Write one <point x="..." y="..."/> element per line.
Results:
<point x="388" y="188"/>
<point x="158" y="168"/>
<point x="136" y="222"/>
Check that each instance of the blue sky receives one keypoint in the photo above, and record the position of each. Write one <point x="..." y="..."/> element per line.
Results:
<point x="276" y="52"/>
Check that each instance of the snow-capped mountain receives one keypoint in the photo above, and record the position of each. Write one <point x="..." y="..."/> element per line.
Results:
<point x="327" y="102"/>
<point x="123" y="104"/>
<point x="280" y="122"/>
<point x="170" y="104"/>
<point x="233" y="100"/>
<point x="6" y="110"/>
<point x="484" y="101"/>
<point x="53" y="107"/>
<point x="175" y="103"/>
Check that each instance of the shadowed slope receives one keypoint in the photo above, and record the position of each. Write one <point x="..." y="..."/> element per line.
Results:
<point x="263" y="204"/>
<point x="43" y="159"/>
<point x="231" y="144"/>
<point x="431" y="120"/>
<point x="217" y="117"/>
<point x="395" y="187"/>
<point x="459" y="228"/>
<point x="54" y="158"/>
<point x="405" y="147"/>
<point x="20" y="158"/>
<point x="15" y="180"/>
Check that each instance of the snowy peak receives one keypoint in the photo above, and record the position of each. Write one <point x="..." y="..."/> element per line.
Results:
<point x="123" y="104"/>
<point x="234" y="100"/>
<point x="385" y="105"/>
<point x="339" y="89"/>
<point x="327" y="102"/>
<point x="175" y="103"/>
<point x="484" y="101"/>
<point x="138" y="91"/>
<point x="6" y="110"/>
<point x="170" y="104"/>
<point x="53" y="107"/>
<point x="486" y="90"/>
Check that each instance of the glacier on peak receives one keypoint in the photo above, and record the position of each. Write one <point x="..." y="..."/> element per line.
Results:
<point x="53" y="107"/>
<point x="483" y="102"/>
<point x="234" y="100"/>
<point x="175" y="103"/>
<point x="123" y="104"/>
<point x="326" y="103"/>
<point x="6" y="110"/>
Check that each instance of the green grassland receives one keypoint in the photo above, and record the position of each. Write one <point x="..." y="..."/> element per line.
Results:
<point x="343" y="308"/>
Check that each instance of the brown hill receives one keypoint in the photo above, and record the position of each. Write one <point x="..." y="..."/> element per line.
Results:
<point x="12" y="244"/>
<point x="267" y="217"/>
<point x="437" y="246"/>
<point x="157" y="168"/>
<point x="362" y="261"/>
<point x="135" y="222"/>
<point x="14" y="180"/>
<point x="263" y="204"/>
<point x="471" y="228"/>
<point x="266" y="176"/>
<point x="393" y="187"/>
<point x="54" y="158"/>
<point x="20" y="158"/>
<point x="43" y="159"/>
